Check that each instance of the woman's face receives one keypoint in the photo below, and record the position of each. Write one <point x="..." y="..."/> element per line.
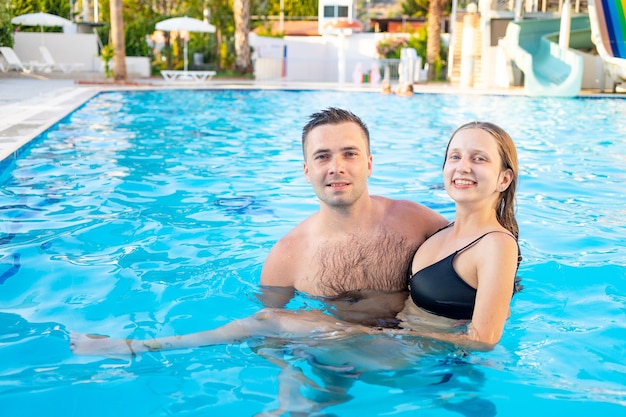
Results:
<point x="473" y="167"/>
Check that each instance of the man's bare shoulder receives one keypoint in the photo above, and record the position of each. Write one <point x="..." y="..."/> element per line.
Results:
<point x="405" y="207"/>
<point x="297" y="237"/>
<point x="412" y="216"/>
<point x="292" y="241"/>
<point x="282" y="264"/>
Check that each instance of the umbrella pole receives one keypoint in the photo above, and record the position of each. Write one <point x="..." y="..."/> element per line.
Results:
<point x="341" y="58"/>
<point x="185" y="58"/>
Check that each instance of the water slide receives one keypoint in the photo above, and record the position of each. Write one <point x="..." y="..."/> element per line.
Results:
<point x="608" y="33"/>
<point x="549" y="70"/>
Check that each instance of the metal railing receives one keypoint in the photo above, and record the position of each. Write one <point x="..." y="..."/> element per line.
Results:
<point x="531" y="6"/>
<point x="389" y="69"/>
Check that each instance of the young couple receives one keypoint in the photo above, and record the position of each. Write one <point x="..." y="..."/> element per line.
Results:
<point x="358" y="244"/>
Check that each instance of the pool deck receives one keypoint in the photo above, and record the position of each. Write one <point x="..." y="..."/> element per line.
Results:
<point x="30" y="104"/>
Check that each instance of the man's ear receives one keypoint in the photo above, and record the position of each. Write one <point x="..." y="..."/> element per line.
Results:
<point x="306" y="172"/>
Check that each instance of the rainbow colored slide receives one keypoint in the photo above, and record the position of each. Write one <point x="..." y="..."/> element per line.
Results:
<point x="608" y="33"/>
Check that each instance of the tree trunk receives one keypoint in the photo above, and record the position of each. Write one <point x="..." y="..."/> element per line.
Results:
<point x="241" y="11"/>
<point x="168" y="47"/>
<point x="218" y="48"/>
<point x="433" y="43"/>
<point x="117" y="38"/>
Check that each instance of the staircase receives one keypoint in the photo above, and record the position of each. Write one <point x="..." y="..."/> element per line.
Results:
<point x="455" y="75"/>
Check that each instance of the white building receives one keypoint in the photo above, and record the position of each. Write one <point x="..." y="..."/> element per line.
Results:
<point x="330" y="10"/>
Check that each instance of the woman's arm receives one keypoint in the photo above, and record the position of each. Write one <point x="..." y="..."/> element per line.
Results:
<point x="496" y="279"/>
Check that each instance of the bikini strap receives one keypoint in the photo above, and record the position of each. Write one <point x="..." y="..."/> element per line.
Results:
<point x="517" y="286"/>
<point x="480" y="237"/>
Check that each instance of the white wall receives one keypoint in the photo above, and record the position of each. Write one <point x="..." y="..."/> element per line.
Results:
<point x="63" y="47"/>
<point x="312" y="58"/>
<point x="594" y="76"/>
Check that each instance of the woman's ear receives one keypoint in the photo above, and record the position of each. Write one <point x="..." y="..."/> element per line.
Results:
<point x="506" y="177"/>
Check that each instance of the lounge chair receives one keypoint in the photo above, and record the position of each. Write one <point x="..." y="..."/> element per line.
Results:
<point x="15" y="63"/>
<point x="66" y="67"/>
<point x="196" y="76"/>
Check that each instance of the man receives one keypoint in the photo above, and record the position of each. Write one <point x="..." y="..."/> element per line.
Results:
<point x="355" y="252"/>
<point x="357" y="247"/>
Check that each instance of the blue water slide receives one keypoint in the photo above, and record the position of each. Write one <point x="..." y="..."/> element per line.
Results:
<point x="549" y="70"/>
<point x="608" y="33"/>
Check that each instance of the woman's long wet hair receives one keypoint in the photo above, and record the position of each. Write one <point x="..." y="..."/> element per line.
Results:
<point x="505" y="206"/>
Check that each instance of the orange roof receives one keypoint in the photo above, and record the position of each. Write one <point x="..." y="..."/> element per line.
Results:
<point x="295" y="27"/>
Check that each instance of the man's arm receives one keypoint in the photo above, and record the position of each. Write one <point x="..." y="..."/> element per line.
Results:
<point x="278" y="276"/>
<point x="276" y="297"/>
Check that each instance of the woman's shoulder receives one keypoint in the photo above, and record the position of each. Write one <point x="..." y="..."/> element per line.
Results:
<point x="499" y="243"/>
<point x="500" y="235"/>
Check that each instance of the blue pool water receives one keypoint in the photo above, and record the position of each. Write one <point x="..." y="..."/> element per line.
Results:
<point x="148" y="214"/>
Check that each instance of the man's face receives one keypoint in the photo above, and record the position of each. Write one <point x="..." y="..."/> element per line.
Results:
<point x="337" y="163"/>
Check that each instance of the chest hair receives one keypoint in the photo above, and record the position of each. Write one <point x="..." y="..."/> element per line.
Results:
<point x="377" y="261"/>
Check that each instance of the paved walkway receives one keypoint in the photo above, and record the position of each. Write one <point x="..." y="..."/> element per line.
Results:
<point x="28" y="106"/>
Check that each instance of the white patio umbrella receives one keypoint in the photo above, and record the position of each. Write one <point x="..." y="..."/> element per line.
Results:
<point x="40" y="19"/>
<point x="185" y="24"/>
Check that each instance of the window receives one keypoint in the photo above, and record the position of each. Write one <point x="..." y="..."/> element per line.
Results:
<point x="334" y="11"/>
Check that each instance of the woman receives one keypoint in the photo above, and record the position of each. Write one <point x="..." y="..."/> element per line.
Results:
<point x="466" y="271"/>
<point x="463" y="274"/>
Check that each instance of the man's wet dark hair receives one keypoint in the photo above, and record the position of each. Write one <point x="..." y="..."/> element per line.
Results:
<point x="334" y="116"/>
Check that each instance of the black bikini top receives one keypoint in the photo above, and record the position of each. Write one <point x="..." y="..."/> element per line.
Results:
<point x="438" y="288"/>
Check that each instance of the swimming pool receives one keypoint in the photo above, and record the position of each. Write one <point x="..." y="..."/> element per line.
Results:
<point x="150" y="213"/>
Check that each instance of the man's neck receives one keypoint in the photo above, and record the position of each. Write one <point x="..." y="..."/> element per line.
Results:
<point x="349" y="219"/>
